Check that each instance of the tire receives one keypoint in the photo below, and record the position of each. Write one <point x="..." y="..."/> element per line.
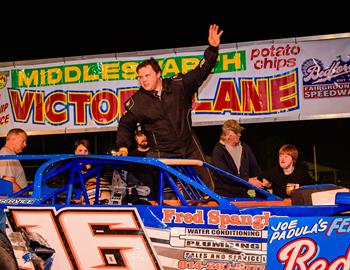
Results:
<point x="7" y="258"/>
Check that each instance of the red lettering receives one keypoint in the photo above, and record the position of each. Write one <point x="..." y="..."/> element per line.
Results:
<point x="80" y="101"/>
<point x="284" y="92"/>
<point x="255" y="95"/>
<point x="4" y="119"/>
<point x="56" y="108"/>
<point x="300" y="254"/>
<point x="21" y="106"/>
<point x="227" y="97"/>
<point x="104" y="107"/>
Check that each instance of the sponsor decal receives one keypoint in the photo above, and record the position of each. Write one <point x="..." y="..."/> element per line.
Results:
<point x="87" y="238"/>
<point x="309" y="243"/>
<point x="325" y="82"/>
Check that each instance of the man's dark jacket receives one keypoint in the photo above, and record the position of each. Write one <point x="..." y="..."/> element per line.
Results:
<point x="223" y="160"/>
<point x="167" y="120"/>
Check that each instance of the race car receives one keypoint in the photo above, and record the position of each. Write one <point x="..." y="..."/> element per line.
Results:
<point x="91" y="212"/>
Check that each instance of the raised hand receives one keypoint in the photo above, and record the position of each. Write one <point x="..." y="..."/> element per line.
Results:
<point x="214" y="35"/>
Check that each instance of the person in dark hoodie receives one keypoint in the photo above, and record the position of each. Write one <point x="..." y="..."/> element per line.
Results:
<point x="288" y="175"/>
<point x="163" y="107"/>
<point x="145" y="174"/>
<point x="235" y="157"/>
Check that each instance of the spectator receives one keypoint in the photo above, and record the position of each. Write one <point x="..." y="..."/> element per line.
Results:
<point x="163" y="107"/>
<point x="145" y="174"/>
<point x="235" y="157"/>
<point x="287" y="176"/>
<point x="142" y="145"/>
<point x="82" y="147"/>
<point x="12" y="170"/>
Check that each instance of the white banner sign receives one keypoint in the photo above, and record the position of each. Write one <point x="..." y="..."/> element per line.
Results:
<point x="281" y="80"/>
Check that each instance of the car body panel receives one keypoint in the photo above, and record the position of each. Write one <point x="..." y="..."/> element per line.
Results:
<point x="197" y="229"/>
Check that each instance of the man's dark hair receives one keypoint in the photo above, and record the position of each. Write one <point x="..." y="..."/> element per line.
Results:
<point x="149" y="62"/>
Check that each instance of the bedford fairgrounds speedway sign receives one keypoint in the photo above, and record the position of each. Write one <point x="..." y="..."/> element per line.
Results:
<point x="281" y="80"/>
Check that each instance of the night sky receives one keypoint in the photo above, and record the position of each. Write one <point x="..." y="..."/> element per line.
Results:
<point x="62" y="31"/>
